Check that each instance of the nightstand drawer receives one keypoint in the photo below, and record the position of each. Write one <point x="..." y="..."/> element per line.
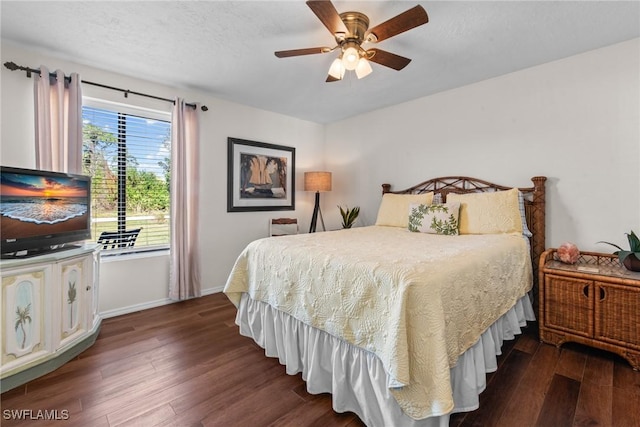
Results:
<point x="568" y="304"/>
<point x="618" y="314"/>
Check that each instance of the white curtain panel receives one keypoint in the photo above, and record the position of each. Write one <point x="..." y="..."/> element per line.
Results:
<point x="58" y="121"/>
<point x="185" y="178"/>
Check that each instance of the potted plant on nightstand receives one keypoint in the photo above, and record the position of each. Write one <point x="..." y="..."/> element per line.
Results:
<point x="349" y="216"/>
<point x="631" y="258"/>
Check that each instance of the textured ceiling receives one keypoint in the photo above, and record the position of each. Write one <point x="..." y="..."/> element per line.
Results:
<point x="225" y="48"/>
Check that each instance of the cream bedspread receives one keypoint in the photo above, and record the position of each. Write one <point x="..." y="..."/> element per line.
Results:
<point x="416" y="300"/>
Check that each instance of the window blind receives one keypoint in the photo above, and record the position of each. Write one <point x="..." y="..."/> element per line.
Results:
<point x="127" y="153"/>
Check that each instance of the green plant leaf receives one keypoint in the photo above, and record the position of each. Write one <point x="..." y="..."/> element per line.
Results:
<point x="612" y="244"/>
<point x="351" y="217"/>
<point x="348" y="216"/>
<point x="634" y="247"/>
<point x="634" y="242"/>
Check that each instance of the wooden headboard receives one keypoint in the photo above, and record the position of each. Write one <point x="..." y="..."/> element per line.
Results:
<point x="534" y="204"/>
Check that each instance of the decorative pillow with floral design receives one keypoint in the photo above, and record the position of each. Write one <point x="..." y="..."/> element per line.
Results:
<point x="434" y="219"/>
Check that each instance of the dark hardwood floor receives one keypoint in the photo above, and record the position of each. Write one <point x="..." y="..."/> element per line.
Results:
<point x="186" y="365"/>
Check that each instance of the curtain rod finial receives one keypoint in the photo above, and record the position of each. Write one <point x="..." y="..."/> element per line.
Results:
<point x="11" y="66"/>
<point x="204" y="108"/>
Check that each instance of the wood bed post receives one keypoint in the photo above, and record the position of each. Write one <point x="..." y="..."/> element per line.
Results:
<point x="538" y="244"/>
<point x="386" y="188"/>
<point x="538" y="213"/>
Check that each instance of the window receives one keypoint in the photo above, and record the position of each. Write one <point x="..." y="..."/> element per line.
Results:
<point x="127" y="153"/>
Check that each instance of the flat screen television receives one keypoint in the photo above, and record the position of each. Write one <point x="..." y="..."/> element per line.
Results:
<point x="42" y="211"/>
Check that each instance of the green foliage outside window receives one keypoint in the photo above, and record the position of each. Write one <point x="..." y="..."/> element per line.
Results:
<point x="144" y="152"/>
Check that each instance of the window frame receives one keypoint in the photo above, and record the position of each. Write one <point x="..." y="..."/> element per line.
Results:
<point x="142" y="112"/>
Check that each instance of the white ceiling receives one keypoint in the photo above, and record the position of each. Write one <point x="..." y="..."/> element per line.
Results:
<point x="225" y="48"/>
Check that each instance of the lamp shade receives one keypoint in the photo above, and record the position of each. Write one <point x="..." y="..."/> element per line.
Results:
<point x="317" y="181"/>
<point x="350" y="58"/>
<point x="337" y="69"/>
<point x="363" y="69"/>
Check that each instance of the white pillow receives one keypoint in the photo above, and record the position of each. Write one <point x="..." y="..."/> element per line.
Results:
<point x="394" y="208"/>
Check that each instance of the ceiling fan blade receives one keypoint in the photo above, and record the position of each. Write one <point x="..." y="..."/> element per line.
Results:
<point x="407" y="20"/>
<point x="298" y="52"/>
<point x="328" y="15"/>
<point x="387" y="59"/>
<point x="330" y="79"/>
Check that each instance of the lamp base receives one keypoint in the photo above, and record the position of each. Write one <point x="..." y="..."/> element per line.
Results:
<point x="314" y="218"/>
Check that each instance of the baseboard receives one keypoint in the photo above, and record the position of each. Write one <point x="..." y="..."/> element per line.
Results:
<point x="151" y="304"/>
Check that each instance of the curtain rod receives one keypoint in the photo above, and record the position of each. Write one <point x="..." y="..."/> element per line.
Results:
<point x="13" y="67"/>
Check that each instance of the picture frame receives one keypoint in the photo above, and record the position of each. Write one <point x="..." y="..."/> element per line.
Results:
<point x="260" y="176"/>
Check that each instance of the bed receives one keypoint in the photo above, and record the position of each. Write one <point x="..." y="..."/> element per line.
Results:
<point x="400" y="321"/>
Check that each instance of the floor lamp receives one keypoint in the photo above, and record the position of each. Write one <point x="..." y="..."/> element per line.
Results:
<point x="317" y="181"/>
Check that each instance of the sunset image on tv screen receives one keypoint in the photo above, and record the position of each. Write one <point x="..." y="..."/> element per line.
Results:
<point x="38" y="205"/>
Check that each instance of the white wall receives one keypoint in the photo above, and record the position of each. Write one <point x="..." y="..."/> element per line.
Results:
<point x="575" y="121"/>
<point x="143" y="282"/>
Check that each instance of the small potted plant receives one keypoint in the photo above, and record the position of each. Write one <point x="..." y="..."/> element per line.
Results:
<point x="631" y="258"/>
<point x="349" y="216"/>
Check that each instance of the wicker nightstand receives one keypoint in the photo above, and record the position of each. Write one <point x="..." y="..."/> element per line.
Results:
<point x="594" y="302"/>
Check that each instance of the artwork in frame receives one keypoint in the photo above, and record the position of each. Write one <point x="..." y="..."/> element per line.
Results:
<point x="260" y="176"/>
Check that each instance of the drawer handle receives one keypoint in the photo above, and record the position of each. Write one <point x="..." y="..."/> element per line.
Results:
<point x="88" y="287"/>
<point x="602" y="294"/>
<point x="585" y="291"/>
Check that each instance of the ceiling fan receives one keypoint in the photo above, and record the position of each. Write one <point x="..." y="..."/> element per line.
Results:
<point x="351" y="30"/>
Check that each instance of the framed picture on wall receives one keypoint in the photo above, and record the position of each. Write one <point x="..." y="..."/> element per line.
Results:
<point x="260" y="176"/>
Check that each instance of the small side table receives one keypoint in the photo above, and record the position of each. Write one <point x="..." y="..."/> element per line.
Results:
<point x="595" y="302"/>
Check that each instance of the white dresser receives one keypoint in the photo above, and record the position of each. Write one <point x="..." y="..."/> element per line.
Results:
<point x="49" y="312"/>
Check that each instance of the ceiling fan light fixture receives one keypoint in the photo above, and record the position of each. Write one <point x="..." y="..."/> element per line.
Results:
<point x="350" y="30"/>
<point x="363" y="69"/>
<point x="350" y="58"/>
<point x="337" y="69"/>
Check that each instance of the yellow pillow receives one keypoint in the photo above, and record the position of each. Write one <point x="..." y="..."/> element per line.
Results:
<point x="488" y="213"/>
<point x="394" y="208"/>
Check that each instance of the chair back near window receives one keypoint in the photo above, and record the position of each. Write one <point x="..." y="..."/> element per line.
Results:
<point x="283" y="226"/>
<point x="118" y="240"/>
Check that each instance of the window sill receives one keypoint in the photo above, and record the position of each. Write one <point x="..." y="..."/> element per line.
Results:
<point x="115" y="256"/>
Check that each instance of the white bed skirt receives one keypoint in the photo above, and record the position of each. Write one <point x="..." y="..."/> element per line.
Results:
<point x="356" y="378"/>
